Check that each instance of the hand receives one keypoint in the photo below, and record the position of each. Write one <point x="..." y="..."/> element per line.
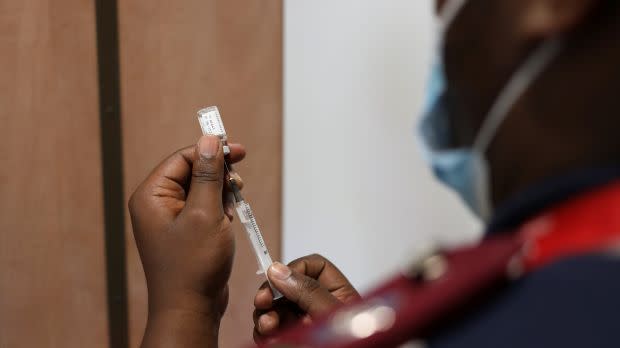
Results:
<point x="185" y="242"/>
<point x="311" y="285"/>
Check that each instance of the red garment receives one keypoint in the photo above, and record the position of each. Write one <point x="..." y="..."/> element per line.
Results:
<point x="409" y="306"/>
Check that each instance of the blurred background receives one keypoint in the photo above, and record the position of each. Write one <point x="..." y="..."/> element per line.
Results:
<point x="93" y="94"/>
<point x="355" y="186"/>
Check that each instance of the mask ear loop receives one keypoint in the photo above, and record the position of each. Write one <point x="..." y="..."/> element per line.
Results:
<point x="448" y="14"/>
<point x="521" y="80"/>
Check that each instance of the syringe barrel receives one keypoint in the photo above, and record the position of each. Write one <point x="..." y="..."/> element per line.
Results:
<point x="211" y="124"/>
<point x="246" y="217"/>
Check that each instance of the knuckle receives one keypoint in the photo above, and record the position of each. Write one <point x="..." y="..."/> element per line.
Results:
<point x="307" y="258"/>
<point x="307" y="295"/>
<point x="195" y="215"/>
<point x="308" y="286"/>
<point x="316" y="256"/>
<point x="207" y="172"/>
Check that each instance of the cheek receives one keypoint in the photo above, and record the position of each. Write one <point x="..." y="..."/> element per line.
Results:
<point x="479" y="61"/>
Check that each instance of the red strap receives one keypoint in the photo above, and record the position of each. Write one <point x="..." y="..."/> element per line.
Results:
<point x="586" y="224"/>
<point x="412" y="306"/>
<point x="583" y="225"/>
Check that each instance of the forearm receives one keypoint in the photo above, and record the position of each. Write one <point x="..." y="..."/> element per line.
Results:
<point x="181" y="329"/>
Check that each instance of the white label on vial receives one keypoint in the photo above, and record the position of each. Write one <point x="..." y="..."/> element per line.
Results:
<point x="211" y="121"/>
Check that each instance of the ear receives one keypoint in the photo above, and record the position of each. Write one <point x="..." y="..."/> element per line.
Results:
<point x="439" y="6"/>
<point x="545" y="18"/>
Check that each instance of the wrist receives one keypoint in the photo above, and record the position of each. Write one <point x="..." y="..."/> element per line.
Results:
<point x="183" y="319"/>
<point x="164" y="301"/>
<point x="181" y="328"/>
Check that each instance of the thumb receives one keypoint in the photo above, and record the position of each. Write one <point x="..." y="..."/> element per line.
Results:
<point x="306" y="292"/>
<point x="205" y="191"/>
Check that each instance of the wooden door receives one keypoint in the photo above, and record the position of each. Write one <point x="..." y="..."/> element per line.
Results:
<point x="175" y="57"/>
<point x="52" y="270"/>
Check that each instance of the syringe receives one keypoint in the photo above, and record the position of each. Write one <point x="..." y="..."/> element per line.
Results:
<point x="211" y="124"/>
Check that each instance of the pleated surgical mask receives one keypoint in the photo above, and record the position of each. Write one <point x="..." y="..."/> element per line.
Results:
<point x="466" y="169"/>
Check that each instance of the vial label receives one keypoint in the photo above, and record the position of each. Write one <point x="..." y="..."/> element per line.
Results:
<point x="211" y="121"/>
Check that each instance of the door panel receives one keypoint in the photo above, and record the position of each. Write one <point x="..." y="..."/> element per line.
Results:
<point x="52" y="280"/>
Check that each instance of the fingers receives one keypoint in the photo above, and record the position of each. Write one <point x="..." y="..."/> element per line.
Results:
<point x="306" y="292"/>
<point x="178" y="166"/>
<point x="205" y="191"/>
<point x="311" y="284"/>
<point x="326" y="273"/>
<point x="264" y="297"/>
<point x="237" y="178"/>
<point x="237" y="152"/>
<point x="283" y="314"/>
<point x="314" y="266"/>
<point x="266" y="322"/>
<point x="169" y="182"/>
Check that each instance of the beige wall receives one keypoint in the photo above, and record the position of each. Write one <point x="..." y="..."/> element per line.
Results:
<point x="52" y="270"/>
<point x="176" y="56"/>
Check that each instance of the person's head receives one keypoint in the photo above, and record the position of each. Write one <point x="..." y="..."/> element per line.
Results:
<point x="568" y="118"/>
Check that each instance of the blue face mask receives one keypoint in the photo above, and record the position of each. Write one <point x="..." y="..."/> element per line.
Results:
<point x="465" y="169"/>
